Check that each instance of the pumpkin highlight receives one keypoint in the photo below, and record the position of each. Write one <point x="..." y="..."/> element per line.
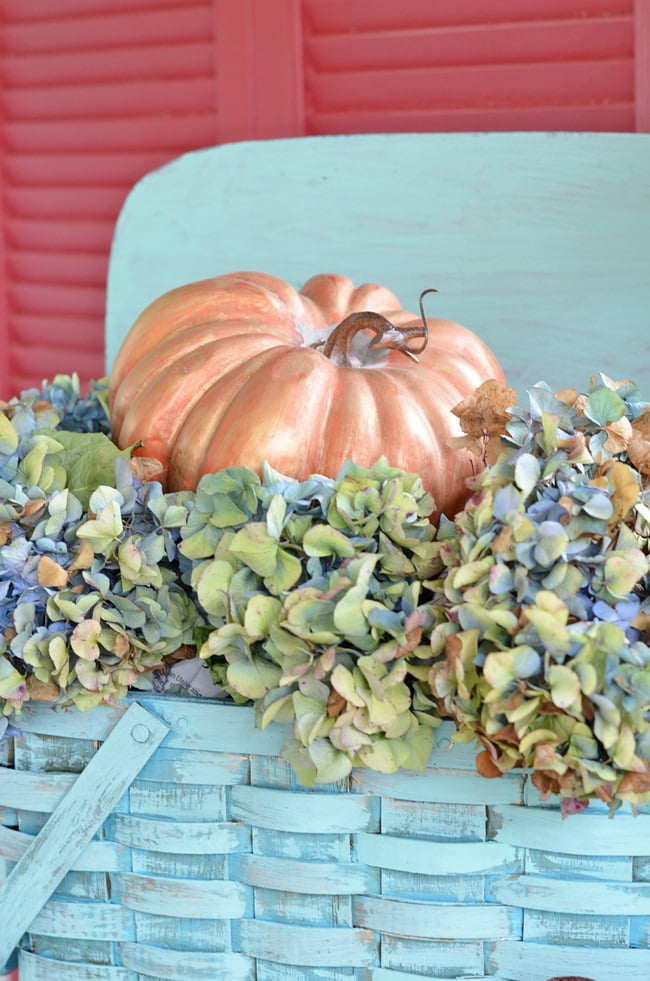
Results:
<point x="243" y="369"/>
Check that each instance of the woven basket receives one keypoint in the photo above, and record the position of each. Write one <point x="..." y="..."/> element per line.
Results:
<point x="215" y="864"/>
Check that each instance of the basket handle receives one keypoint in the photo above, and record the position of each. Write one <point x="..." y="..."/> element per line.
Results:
<point x="75" y="820"/>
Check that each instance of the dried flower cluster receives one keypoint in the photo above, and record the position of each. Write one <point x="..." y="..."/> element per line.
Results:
<point x="543" y="578"/>
<point x="335" y="606"/>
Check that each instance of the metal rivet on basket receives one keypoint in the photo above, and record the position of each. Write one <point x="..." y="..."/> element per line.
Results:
<point x="140" y="733"/>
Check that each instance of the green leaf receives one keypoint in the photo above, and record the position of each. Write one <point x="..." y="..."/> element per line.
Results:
<point x="323" y="540"/>
<point x="252" y="677"/>
<point x="275" y="516"/>
<point x="527" y="473"/>
<point x="262" y="613"/>
<point x="9" y="438"/>
<point x="10" y="679"/>
<point x="212" y="585"/>
<point x="604" y="406"/>
<point x="103" y="531"/>
<point x="384" y="755"/>
<point x="286" y="574"/>
<point x="623" y="570"/>
<point x="256" y="548"/>
<point x="552" y="541"/>
<point x="331" y="764"/>
<point x="88" y="459"/>
<point x="343" y="682"/>
<point x="499" y="669"/>
<point x="348" y="614"/>
<point x="566" y="691"/>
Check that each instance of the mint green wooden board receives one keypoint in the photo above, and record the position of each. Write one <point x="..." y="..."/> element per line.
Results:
<point x="538" y="242"/>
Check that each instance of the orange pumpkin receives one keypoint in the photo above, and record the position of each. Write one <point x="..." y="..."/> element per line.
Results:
<point x="243" y="369"/>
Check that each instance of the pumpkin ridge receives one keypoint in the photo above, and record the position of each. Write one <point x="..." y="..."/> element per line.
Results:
<point x="159" y="434"/>
<point x="203" y="302"/>
<point x="349" y="422"/>
<point x="175" y="360"/>
<point x="288" y="399"/>
<point x="206" y="425"/>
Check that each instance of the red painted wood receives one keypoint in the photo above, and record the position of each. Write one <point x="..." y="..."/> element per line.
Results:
<point x="339" y="16"/>
<point x="420" y="66"/>
<point x="642" y="64"/>
<point x="135" y="61"/>
<point x="185" y="21"/>
<point x="258" y="65"/>
<point x="460" y="44"/>
<point x="98" y="92"/>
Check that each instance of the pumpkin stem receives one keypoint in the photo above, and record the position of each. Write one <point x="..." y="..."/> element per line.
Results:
<point x="337" y="347"/>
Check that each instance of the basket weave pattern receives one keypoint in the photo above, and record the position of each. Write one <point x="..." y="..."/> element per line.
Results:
<point x="216" y="865"/>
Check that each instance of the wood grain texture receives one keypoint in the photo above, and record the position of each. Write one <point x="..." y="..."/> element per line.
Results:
<point x="74" y="821"/>
<point x="536" y="241"/>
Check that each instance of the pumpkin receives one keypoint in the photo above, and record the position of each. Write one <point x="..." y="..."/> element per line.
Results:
<point x="243" y="368"/>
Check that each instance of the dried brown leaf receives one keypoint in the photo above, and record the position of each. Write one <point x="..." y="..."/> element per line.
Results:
<point x="84" y="557"/>
<point x="626" y="491"/>
<point x="546" y="782"/>
<point x="638" y="453"/>
<point x="636" y="783"/>
<point x="619" y="434"/>
<point x="42" y="691"/>
<point x="50" y="573"/>
<point x="145" y="468"/>
<point x="502" y="541"/>
<point x="567" y="395"/>
<point x="31" y="512"/>
<point x="575" y="447"/>
<point x="484" y="412"/>
<point x="121" y="646"/>
<point x="486" y="767"/>
<point x="335" y="704"/>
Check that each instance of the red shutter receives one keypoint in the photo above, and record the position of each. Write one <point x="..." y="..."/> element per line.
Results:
<point x="469" y="65"/>
<point x="98" y="92"/>
<point x="95" y="95"/>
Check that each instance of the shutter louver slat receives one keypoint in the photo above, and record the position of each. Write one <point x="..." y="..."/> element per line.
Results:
<point x="77" y="300"/>
<point x="50" y="169"/>
<point x="153" y="132"/>
<point x="64" y="268"/>
<point x="109" y="99"/>
<point x="19" y="11"/>
<point x="134" y="63"/>
<point x="35" y="329"/>
<point x="89" y="234"/>
<point x="185" y="22"/>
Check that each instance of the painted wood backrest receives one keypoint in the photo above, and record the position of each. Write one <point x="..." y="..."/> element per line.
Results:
<point x="539" y="242"/>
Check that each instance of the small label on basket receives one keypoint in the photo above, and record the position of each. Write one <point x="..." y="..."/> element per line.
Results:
<point x="189" y="677"/>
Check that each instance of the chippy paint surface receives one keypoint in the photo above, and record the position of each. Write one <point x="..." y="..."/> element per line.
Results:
<point x="235" y="872"/>
<point x="74" y="821"/>
<point x="538" y="242"/>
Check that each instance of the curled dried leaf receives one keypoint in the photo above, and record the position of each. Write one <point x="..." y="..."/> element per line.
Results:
<point x="486" y="766"/>
<point x="145" y="468"/>
<point x="485" y="411"/>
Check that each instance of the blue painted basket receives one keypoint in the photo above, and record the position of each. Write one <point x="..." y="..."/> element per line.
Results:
<point x="208" y="861"/>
